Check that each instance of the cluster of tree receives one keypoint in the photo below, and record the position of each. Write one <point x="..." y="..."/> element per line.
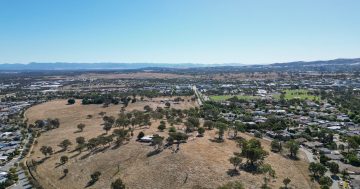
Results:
<point x="318" y="171"/>
<point x="348" y="102"/>
<point x="351" y="154"/>
<point x="325" y="136"/>
<point x="275" y="124"/>
<point x="99" y="99"/>
<point x="47" y="124"/>
<point x="46" y="150"/>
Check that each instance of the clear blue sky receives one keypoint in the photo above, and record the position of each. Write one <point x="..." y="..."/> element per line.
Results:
<point x="175" y="31"/>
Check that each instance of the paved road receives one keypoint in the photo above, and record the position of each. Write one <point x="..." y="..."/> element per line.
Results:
<point x="308" y="154"/>
<point x="198" y="94"/>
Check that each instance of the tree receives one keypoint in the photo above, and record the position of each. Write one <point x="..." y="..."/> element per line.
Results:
<point x="179" y="137"/>
<point x="286" y="181"/>
<point x="341" y="147"/>
<point x="64" y="159"/>
<point x="140" y="135"/>
<point x="81" y="143"/>
<point x="221" y="129"/>
<point x="323" y="159"/>
<point x="172" y="129"/>
<point x="333" y="167"/>
<point x="232" y="185"/>
<point x="317" y="169"/>
<point x="71" y="101"/>
<point x="208" y="124"/>
<point x="65" y="171"/>
<point x="46" y="150"/>
<point x="121" y="135"/>
<point x="162" y="127"/>
<point x="324" y="187"/>
<point x="107" y="127"/>
<point x="95" y="176"/>
<point x="352" y="143"/>
<point x="167" y="104"/>
<point x="267" y="170"/>
<point x="201" y="131"/>
<point x="118" y="184"/>
<point x="191" y="123"/>
<point x="80" y="140"/>
<point x="65" y="144"/>
<point x="276" y="146"/>
<point x="293" y="148"/>
<point x="92" y="143"/>
<point x="325" y="181"/>
<point x="238" y="127"/>
<point x="147" y="108"/>
<point x="157" y="141"/>
<point x="253" y="152"/>
<point x="235" y="161"/>
<point x="81" y="127"/>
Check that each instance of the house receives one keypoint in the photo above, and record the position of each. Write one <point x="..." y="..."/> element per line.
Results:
<point x="313" y="145"/>
<point x="301" y="140"/>
<point x="3" y="176"/>
<point x="324" y="151"/>
<point x="147" y="138"/>
<point x="333" y="156"/>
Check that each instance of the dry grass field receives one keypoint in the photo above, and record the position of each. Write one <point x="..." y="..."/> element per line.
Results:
<point x="199" y="162"/>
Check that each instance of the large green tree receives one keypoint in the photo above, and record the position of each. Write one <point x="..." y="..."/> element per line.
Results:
<point x="253" y="152"/>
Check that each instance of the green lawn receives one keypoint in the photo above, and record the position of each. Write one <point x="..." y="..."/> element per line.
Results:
<point x="298" y="94"/>
<point x="218" y="98"/>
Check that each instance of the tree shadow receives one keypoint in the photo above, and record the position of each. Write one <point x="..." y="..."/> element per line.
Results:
<point x="152" y="153"/>
<point x="42" y="160"/>
<point x="62" y="177"/>
<point x="75" y="155"/>
<point x="251" y="168"/>
<point x="295" y="158"/>
<point x="86" y="155"/>
<point x="217" y="140"/>
<point x="233" y="172"/>
<point x="93" y="152"/>
<point x="90" y="183"/>
<point x="60" y="151"/>
<point x="58" y="165"/>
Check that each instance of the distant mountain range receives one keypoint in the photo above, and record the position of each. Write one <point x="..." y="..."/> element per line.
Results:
<point x="101" y="66"/>
<point x="300" y="65"/>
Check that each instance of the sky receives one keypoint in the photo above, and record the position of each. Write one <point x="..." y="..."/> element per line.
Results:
<point x="178" y="31"/>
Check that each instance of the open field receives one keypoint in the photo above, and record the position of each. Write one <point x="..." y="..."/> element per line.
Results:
<point x="199" y="162"/>
<point x="301" y="94"/>
<point x="218" y="98"/>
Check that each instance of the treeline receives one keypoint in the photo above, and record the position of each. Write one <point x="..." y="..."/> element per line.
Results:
<point x="100" y="99"/>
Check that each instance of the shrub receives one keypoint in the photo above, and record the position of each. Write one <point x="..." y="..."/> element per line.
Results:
<point x="71" y="101"/>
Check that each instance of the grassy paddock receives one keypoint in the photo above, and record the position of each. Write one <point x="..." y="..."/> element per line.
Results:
<point x="302" y="94"/>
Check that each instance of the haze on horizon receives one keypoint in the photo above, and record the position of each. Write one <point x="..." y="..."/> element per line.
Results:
<point x="202" y="31"/>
